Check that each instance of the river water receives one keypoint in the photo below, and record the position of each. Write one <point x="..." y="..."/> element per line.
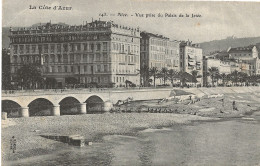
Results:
<point x="229" y="142"/>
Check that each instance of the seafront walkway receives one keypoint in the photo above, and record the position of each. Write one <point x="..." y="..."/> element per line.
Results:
<point x="83" y="99"/>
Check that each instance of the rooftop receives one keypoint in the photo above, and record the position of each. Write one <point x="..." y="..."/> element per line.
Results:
<point x="62" y="27"/>
<point x="147" y="34"/>
<point x="247" y="49"/>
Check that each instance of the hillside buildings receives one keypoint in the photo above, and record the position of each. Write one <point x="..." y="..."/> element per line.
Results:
<point x="241" y="59"/>
<point x="191" y="58"/>
<point x="98" y="52"/>
<point x="247" y="55"/>
<point x="160" y="52"/>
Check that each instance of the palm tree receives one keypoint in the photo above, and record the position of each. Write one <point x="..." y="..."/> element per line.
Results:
<point x="172" y="74"/>
<point x="242" y="77"/>
<point x="164" y="72"/>
<point x="223" y="77"/>
<point x="194" y="74"/>
<point x="145" y="75"/>
<point x="234" y="77"/>
<point x="218" y="76"/>
<point x="153" y="72"/>
<point x="212" y="73"/>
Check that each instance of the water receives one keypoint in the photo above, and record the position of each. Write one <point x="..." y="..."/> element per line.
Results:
<point x="230" y="142"/>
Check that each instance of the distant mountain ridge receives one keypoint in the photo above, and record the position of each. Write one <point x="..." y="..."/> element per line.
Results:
<point x="224" y="44"/>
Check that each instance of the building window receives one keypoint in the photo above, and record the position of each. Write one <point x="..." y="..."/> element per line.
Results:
<point x="27" y="48"/>
<point x="85" y="69"/>
<point x="85" y="58"/>
<point x="52" y="48"/>
<point x="65" y="47"/>
<point x="46" y="59"/>
<point x="58" y="48"/>
<point x="78" y="47"/>
<point x="46" y="48"/>
<point x="72" y="58"/>
<point x="59" y="58"/>
<point x="59" y="69"/>
<point x="98" y="47"/>
<point x="92" y="48"/>
<point x="85" y="47"/>
<point x="105" y="57"/>
<point x="78" y="58"/>
<point x="52" y="58"/>
<point x="15" y="59"/>
<point x="104" y="46"/>
<point x="33" y="48"/>
<point x="97" y="57"/>
<point x="40" y="48"/>
<point x="91" y="57"/>
<point x="15" y="49"/>
<point x="98" y="68"/>
<point x="21" y="49"/>
<point x="65" y="58"/>
<point x="105" y="68"/>
<point x="65" y="69"/>
<point x="71" y="69"/>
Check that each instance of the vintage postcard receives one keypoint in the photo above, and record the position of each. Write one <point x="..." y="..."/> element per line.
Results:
<point x="130" y="82"/>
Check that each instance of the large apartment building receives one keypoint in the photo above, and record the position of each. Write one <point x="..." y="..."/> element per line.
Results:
<point x="191" y="58"/>
<point x="160" y="52"/>
<point x="98" y="52"/>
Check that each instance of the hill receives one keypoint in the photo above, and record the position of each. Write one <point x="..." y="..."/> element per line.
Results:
<point x="224" y="44"/>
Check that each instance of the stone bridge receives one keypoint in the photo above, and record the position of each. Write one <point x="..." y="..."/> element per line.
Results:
<point x="78" y="101"/>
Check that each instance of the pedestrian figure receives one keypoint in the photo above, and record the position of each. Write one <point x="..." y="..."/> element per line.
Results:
<point x="234" y="106"/>
<point x="222" y="102"/>
<point x="13" y="144"/>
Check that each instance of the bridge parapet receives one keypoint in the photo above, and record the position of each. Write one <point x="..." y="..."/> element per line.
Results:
<point x="7" y="93"/>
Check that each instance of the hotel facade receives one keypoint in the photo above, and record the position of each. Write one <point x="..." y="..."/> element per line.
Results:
<point x="160" y="52"/>
<point x="99" y="52"/>
<point x="191" y="59"/>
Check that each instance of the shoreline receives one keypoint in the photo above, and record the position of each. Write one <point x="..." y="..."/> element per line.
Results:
<point x="93" y="127"/>
<point x="96" y="136"/>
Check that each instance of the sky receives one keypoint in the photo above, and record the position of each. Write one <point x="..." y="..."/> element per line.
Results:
<point x="218" y="19"/>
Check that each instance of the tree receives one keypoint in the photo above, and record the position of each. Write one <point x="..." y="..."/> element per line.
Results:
<point x="6" y="79"/>
<point x="50" y="83"/>
<point x="29" y="76"/>
<point x="71" y="80"/>
<point x="184" y="77"/>
<point x="218" y="77"/>
<point x="153" y="72"/>
<point x="145" y="75"/>
<point x="194" y="74"/>
<point x="234" y="77"/>
<point x="163" y="73"/>
<point x="223" y="77"/>
<point x="212" y="73"/>
<point x="171" y="75"/>
<point x="242" y="77"/>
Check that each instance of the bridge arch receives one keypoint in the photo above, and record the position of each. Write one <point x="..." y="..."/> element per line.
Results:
<point x="12" y="108"/>
<point x="69" y="106"/>
<point x="95" y="104"/>
<point x="40" y="107"/>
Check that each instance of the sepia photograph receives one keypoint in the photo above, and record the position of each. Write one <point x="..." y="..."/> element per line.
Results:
<point x="130" y="82"/>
